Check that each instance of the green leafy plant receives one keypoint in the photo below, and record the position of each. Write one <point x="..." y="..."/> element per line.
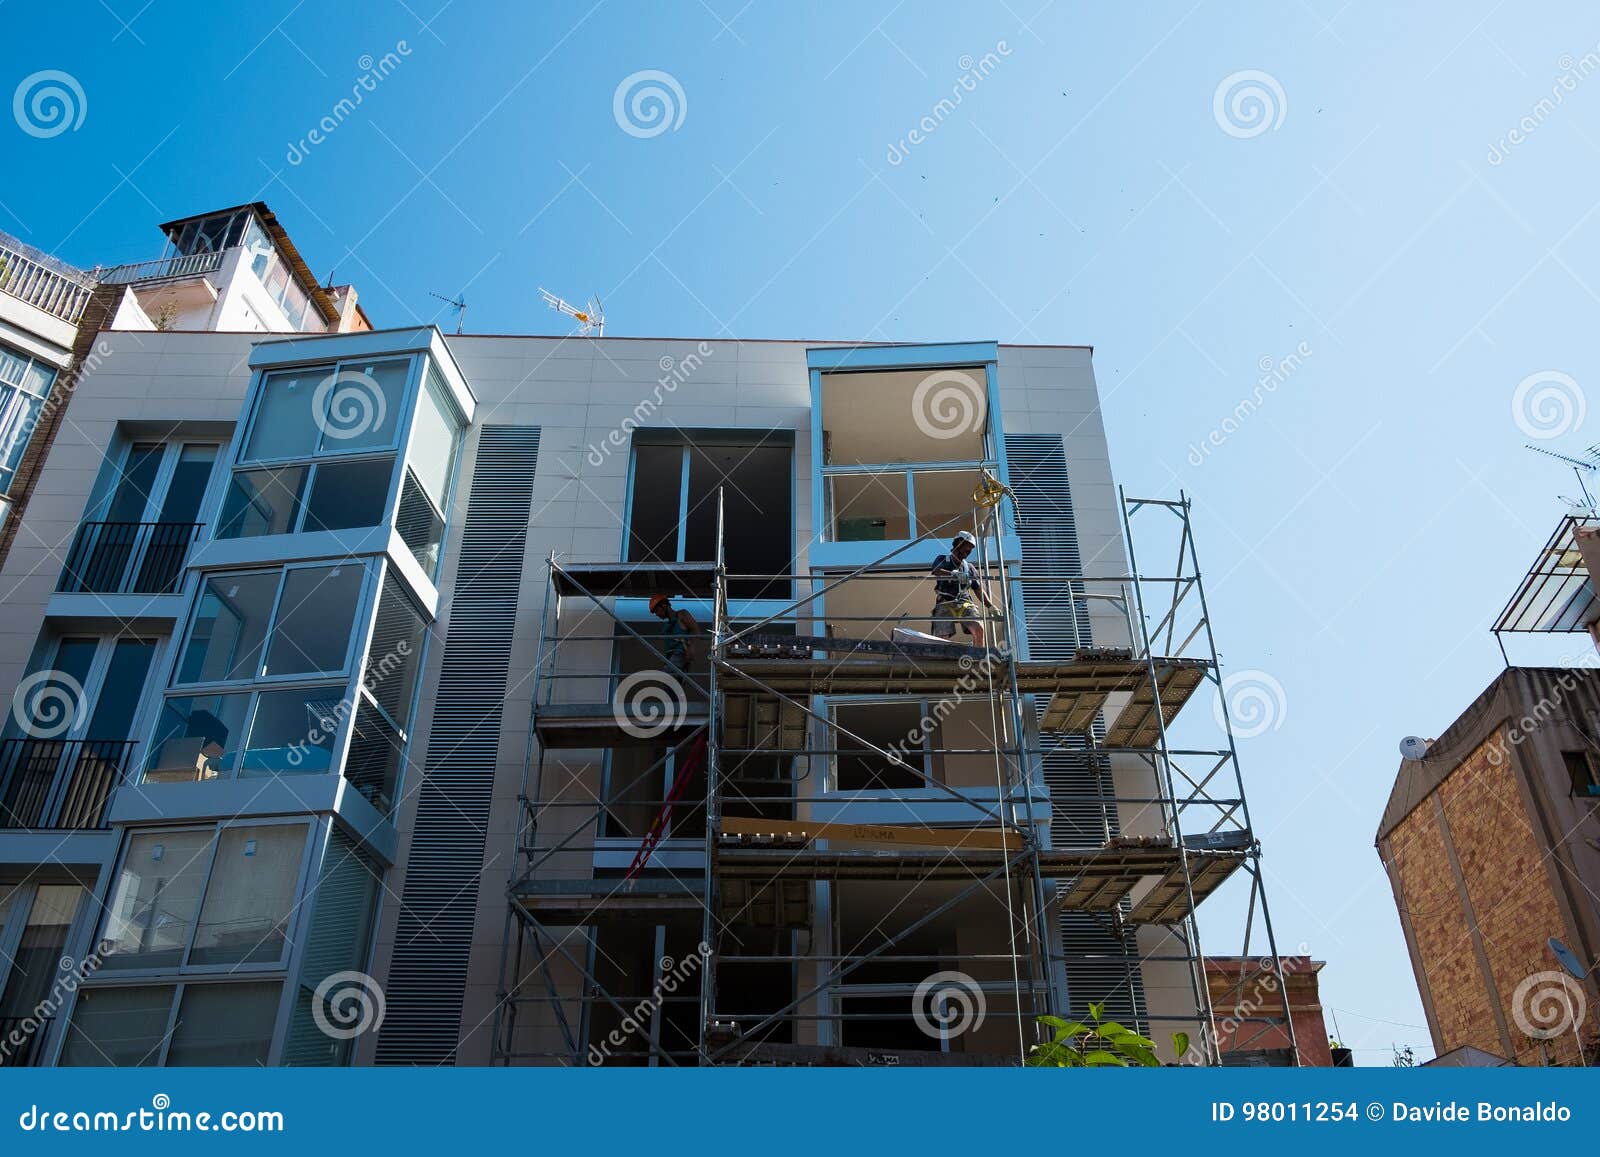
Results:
<point x="1097" y="1043"/>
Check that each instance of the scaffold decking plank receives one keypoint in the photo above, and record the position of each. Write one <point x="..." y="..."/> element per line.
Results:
<point x="893" y="834"/>
<point x="587" y="901"/>
<point x="1136" y="725"/>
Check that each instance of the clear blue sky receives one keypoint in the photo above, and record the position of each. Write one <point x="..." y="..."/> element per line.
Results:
<point x="1360" y="529"/>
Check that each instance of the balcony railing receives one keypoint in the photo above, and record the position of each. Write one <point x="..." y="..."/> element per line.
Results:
<point x="183" y="265"/>
<point x="42" y="287"/>
<point x="61" y="784"/>
<point x="30" y="1031"/>
<point x="138" y="558"/>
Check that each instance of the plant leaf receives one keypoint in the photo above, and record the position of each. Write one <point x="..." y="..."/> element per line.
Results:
<point x="1099" y="1058"/>
<point x="1180" y="1043"/>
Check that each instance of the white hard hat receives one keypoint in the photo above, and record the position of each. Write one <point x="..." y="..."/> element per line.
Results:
<point x="966" y="537"/>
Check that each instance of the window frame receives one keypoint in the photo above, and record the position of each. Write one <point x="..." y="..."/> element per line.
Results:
<point x="309" y="826"/>
<point x="324" y="370"/>
<point x="14" y="400"/>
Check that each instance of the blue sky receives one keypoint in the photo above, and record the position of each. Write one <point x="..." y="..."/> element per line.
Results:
<point x="1360" y="528"/>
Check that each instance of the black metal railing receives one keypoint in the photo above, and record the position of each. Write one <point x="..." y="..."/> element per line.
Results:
<point x="129" y="558"/>
<point x="60" y="783"/>
<point x="20" y="1040"/>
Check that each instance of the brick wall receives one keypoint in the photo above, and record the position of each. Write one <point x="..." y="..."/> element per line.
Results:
<point x="1470" y="876"/>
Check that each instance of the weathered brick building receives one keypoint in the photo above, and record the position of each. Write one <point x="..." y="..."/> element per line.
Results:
<point x="1492" y="845"/>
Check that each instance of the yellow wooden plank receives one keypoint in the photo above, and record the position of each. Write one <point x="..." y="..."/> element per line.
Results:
<point x="985" y="838"/>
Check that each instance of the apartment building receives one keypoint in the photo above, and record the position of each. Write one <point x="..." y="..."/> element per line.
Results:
<point x="1491" y="837"/>
<point x="233" y="269"/>
<point x="350" y="773"/>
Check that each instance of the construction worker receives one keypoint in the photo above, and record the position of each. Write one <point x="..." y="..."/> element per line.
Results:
<point x="954" y="577"/>
<point x="679" y="626"/>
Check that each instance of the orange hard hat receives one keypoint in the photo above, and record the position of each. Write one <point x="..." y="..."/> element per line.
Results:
<point x="657" y="602"/>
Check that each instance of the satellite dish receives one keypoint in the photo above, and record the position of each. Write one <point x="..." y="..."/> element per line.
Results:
<point x="1567" y="960"/>
<point x="1414" y="747"/>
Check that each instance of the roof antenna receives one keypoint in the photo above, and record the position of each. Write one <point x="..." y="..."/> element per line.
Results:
<point x="1588" y="464"/>
<point x="591" y="318"/>
<point x="459" y="304"/>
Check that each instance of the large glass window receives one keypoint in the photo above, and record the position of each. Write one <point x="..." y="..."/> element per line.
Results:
<point x="118" y="1027"/>
<point x="230" y="624"/>
<point x="24" y="384"/>
<point x="345" y="408"/>
<point x="197" y="898"/>
<point x="37" y="963"/>
<point x="340" y="496"/>
<point x="315" y="620"/>
<point x="197" y="737"/>
<point x="151" y="916"/>
<point x="263" y="501"/>
<point x="250" y="898"/>
<point x="307" y="612"/>
<point x="224" y="1025"/>
<point x="672" y="506"/>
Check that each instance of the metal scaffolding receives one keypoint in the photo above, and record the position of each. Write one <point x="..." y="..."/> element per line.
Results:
<point x="681" y="897"/>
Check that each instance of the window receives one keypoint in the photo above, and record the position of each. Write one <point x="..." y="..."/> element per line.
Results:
<point x="672" y="507"/>
<point x="224" y="1024"/>
<point x="35" y="961"/>
<point x="262" y="627"/>
<point x="430" y="469"/>
<point x="349" y="494"/>
<point x="888" y="727"/>
<point x="308" y="612"/>
<point x="263" y="502"/>
<point x="278" y="500"/>
<point x="118" y="1027"/>
<point x="315" y="620"/>
<point x="24" y="385"/>
<point x="345" y="408"/>
<point x="151" y="916"/>
<point x="250" y="898"/>
<point x="227" y="1024"/>
<point x="1582" y="770"/>
<point x="395" y="654"/>
<point x="200" y="898"/>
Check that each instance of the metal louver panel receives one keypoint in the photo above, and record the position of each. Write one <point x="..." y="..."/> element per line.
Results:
<point x="1101" y="965"/>
<point x="428" y="969"/>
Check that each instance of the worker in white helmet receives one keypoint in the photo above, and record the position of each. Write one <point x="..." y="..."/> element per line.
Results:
<point x="954" y="581"/>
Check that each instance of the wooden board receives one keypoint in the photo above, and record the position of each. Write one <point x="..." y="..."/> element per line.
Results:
<point x="890" y="834"/>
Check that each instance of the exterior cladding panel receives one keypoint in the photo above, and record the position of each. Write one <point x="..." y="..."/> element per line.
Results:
<point x="428" y="969"/>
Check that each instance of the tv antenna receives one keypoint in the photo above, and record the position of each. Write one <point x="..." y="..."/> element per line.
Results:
<point x="459" y="304"/>
<point x="591" y="318"/>
<point x="1588" y="464"/>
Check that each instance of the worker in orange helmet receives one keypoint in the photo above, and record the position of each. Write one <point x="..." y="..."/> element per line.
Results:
<point x="679" y="627"/>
